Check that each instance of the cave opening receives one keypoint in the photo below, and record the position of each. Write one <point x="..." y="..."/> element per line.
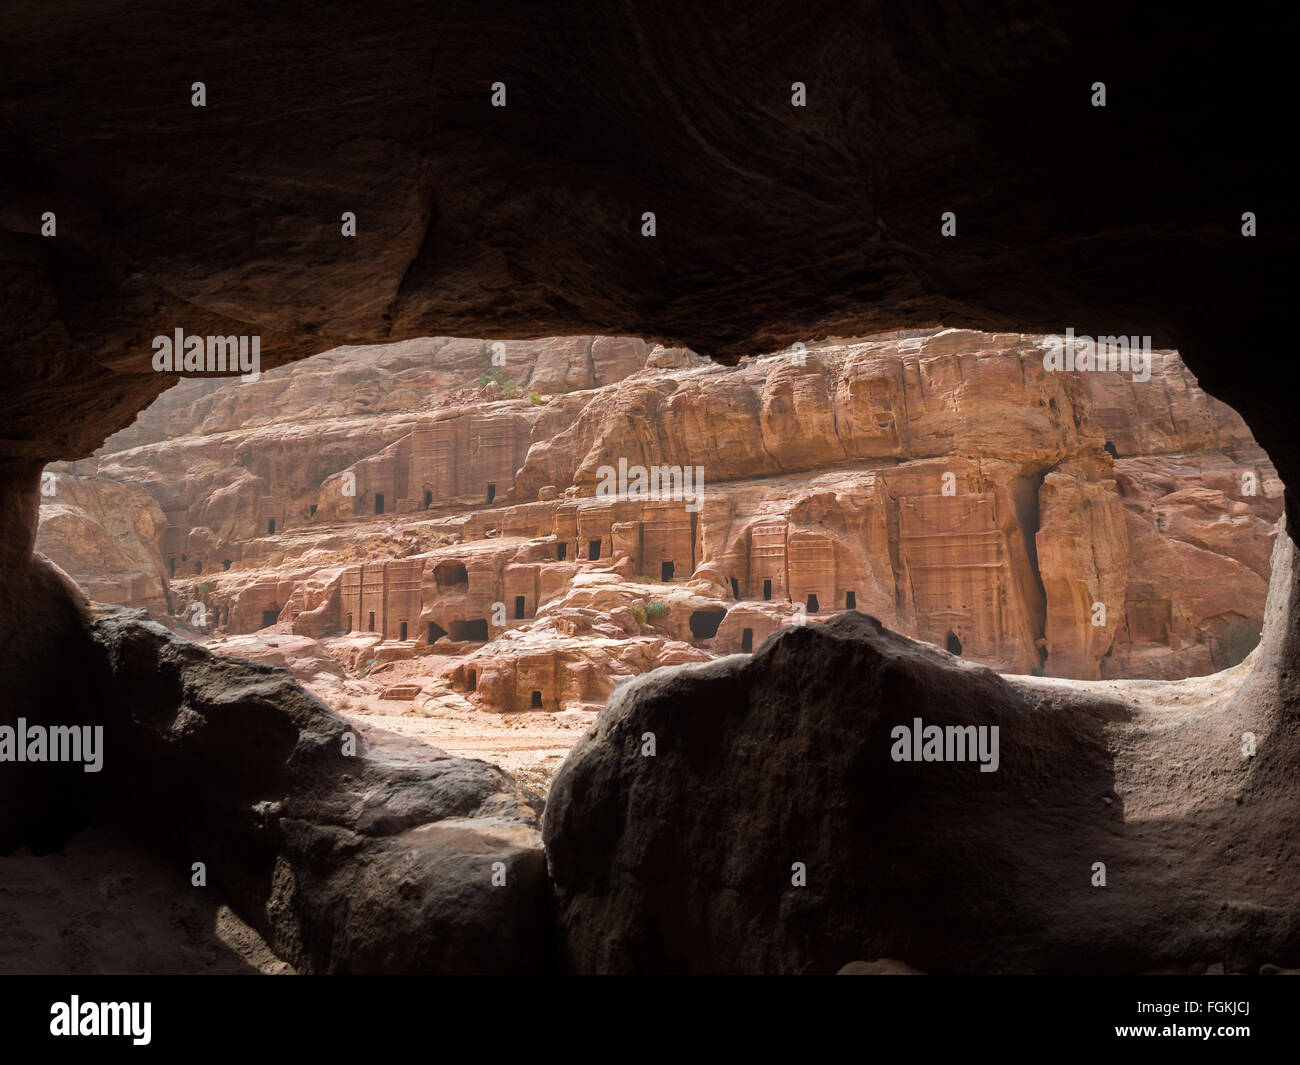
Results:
<point x="269" y="618"/>
<point x="471" y="680"/>
<point x="952" y="644"/>
<point x="593" y="550"/>
<point x="270" y="526"/>
<point x="428" y="499"/>
<point x="850" y="600"/>
<point x="370" y="627"/>
<point x="704" y="623"/>
<point x="475" y="630"/>
<point x="561" y="551"/>
<point x="435" y="633"/>
<point x="311" y="511"/>
<point x="747" y="640"/>
<point x="520" y="603"/>
<point x="735" y="588"/>
<point x="491" y="493"/>
<point x="536" y="703"/>
<point x="773" y="263"/>
<point x="451" y="576"/>
<point x="348" y="625"/>
<point x="401" y="631"/>
<point x="225" y="563"/>
<point x="813" y="605"/>
<point x="379" y="502"/>
<point x="665" y="571"/>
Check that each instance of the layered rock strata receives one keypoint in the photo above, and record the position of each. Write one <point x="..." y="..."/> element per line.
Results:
<point x="1080" y="525"/>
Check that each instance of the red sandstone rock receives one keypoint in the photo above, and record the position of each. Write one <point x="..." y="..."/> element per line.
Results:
<point x="943" y="481"/>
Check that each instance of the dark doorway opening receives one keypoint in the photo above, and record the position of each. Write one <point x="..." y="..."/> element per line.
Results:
<point x="270" y="617"/>
<point x="198" y="568"/>
<point x="735" y="588"/>
<point x="1110" y="449"/>
<point x="436" y="632"/>
<point x="491" y="492"/>
<point x="593" y="550"/>
<point x="171" y="566"/>
<point x="401" y="631"/>
<point x="311" y="511"/>
<point x="448" y="575"/>
<point x="225" y="563"/>
<point x="952" y="644"/>
<point x="270" y="526"/>
<point x="747" y="640"/>
<point x="704" y="623"/>
<point x="371" y="627"/>
<point x="561" y="551"/>
<point x="767" y="589"/>
<point x="379" y="502"/>
<point x="349" y="627"/>
<point x="428" y="499"/>
<point x="472" y="679"/>
<point x="665" y="571"/>
<point x="537" y="699"/>
<point x="850" y="600"/>
<point x="473" y="631"/>
<point x="813" y="605"/>
<point x="519" y="606"/>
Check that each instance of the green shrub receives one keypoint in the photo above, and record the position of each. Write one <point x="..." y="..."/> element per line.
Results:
<point x="535" y="398"/>
<point x="506" y="384"/>
<point x="638" y="612"/>
<point x="655" y="610"/>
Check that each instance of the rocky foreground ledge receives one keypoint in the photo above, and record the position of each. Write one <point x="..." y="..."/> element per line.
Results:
<point x="396" y="858"/>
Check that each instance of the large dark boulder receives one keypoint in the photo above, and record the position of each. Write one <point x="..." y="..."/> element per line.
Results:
<point x="683" y="861"/>
<point x="399" y="858"/>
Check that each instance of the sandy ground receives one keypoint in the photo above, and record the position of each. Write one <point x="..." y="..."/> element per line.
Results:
<point x="109" y="904"/>
<point x="530" y="746"/>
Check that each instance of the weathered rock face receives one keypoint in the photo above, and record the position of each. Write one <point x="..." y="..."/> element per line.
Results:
<point x="107" y="536"/>
<point x="397" y="858"/>
<point x="775" y="224"/>
<point x="749" y="815"/>
<point x="945" y="481"/>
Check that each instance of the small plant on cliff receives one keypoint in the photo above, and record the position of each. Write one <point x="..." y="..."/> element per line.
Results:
<point x="638" y="612"/>
<point x="535" y="398"/>
<point x="201" y="590"/>
<point x="655" y="610"/>
<point x="495" y="376"/>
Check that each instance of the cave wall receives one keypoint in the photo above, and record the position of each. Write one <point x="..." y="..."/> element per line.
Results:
<point x="775" y="224"/>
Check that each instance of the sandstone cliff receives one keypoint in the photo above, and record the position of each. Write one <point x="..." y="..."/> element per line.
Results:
<point x="1081" y="525"/>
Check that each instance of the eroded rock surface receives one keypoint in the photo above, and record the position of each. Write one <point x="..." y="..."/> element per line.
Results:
<point x="396" y="859"/>
<point x="765" y="769"/>
<point x="1072" y="524"/>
